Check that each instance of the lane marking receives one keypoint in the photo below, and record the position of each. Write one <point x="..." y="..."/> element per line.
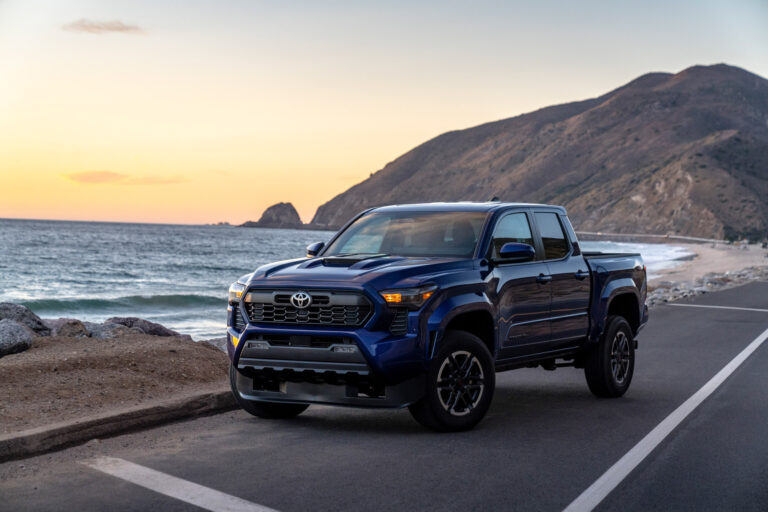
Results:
<point x="596" y="492"/>
<point x="717" y="307"/>
<point x="203" y="497"/>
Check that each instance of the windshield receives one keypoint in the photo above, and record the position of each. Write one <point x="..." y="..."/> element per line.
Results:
<point x="447" y="234"/>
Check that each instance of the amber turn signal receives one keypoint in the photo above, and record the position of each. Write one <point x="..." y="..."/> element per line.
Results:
<point x="411" y="297"/>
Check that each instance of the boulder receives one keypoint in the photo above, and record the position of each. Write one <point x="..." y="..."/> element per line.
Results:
<point x="219" y="343"/>
<point x="109" y="330"/>
<point x="53" y="323"/>
<point x="14" y="337"/>
<point x="24" y="316"/>
<point x="142" y="325"/>
<point x="70" y="327"/>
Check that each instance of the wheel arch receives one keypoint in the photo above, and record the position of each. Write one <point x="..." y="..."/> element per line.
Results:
<point x="463" y="313"/>
<point x="478" y="322"/>
<point x="627" y="306"/>
<point x="620" y="296"/>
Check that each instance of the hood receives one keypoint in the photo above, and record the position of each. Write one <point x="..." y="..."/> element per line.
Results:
<point x="358" y="270"/>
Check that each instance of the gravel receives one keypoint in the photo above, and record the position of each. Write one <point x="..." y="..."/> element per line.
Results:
<point x="64" y="378"/>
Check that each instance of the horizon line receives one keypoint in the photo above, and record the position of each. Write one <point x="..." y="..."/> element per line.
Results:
<point x="114" y="221"/>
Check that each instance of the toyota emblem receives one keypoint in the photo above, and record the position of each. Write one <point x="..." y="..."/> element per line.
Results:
<point x="301" y="300"/>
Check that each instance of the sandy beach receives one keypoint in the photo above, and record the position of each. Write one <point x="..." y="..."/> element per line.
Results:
<point x="712" y="258"/>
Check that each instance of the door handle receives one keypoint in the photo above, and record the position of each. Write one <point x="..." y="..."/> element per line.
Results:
<point x="581" y="275"/>
<point x="543" y="279"/>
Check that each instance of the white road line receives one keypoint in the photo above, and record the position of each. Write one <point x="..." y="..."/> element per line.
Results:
<point x="168" y="485"/>
<point x="596" y="492"/>
<point x="717" y="307"/>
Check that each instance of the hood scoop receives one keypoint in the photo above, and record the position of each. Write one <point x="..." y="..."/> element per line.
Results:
<point x="376" y="262"/>
<point x="349" y="259"/>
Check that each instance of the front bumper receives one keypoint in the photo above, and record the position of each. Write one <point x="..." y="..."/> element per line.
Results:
<point x="356" y="367"/>
<point x="287" y="387"/>
<point x="363" y="365"/>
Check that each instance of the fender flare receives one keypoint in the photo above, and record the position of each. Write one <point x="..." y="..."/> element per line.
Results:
<point x="613" y="289"/>
<point x="434" y="328"/>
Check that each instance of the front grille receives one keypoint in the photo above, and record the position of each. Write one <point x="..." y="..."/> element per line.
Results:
<point x="327" y="308"/>
<point x="399" y="323"/>
<point x="320" y="315"/>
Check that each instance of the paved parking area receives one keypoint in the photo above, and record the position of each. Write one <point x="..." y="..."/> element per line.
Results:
<point x="544" y="442"/>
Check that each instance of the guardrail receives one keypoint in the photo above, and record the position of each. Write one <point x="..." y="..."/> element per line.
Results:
<point x="619" y="236"/>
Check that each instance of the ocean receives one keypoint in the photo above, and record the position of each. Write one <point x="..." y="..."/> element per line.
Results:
<point x="175" y="275"/>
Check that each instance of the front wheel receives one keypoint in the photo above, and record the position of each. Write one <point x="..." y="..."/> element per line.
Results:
<point x="270" y="410"/>
<point x="459" y="387"/>
<point x="610" y="364"/>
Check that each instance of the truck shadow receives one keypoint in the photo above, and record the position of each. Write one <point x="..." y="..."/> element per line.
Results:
<point x="514" y="407"/>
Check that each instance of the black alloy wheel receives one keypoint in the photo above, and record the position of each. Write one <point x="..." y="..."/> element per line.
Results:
<point x="610" y="364"/>
<point x="460" y="384"/>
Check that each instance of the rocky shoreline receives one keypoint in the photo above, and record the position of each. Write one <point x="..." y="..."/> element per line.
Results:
<point x="20" y="327"/>
<point x="670" y="291"/>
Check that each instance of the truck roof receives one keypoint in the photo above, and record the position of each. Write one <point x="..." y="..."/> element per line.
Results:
<point x="463" y="206"/>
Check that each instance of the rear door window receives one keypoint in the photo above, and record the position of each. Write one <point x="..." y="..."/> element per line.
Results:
<point x="552" y="236"/>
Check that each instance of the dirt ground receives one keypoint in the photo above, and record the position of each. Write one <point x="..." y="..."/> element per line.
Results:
<point x="65" y="378"/>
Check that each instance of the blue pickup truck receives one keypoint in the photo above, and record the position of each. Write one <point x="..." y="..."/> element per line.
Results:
<point x="420" y="305"/>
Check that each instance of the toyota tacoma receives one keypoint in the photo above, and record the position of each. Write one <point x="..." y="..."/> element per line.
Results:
<point x="420" y="305"/>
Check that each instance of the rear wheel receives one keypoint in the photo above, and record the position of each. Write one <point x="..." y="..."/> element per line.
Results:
<point x="610" y="364"/>
<point x="270" y="410"/>
<point x="460" y="384"/>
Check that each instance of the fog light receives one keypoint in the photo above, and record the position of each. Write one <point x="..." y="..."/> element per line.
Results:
<point x="351" y="349"/>
<point x="259" y="345"/>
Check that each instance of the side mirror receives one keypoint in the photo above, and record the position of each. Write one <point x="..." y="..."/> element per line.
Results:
<point x="513" y="252"/>
<point x="314" y="249"/>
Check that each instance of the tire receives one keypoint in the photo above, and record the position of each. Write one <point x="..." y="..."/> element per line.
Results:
<point x="266" y="410"/>
<point x="610" y="364"/>
<point x="460" y="383"/>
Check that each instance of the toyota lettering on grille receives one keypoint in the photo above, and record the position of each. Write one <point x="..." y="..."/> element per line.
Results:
<point x="301" y="300"/>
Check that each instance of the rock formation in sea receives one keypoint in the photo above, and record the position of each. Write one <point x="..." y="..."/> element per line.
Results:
<point x="280" y="215"/>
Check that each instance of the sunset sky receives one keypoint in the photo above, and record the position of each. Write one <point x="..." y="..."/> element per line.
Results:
<point x="197" y="112"/>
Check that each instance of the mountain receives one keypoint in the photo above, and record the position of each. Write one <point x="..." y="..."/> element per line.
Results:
<point x="685" y="153"/>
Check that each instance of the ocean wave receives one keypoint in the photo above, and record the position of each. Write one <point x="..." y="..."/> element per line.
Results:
<point x="130" y="302"/>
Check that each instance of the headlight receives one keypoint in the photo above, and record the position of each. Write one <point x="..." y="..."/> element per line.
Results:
<point x="236" y="292"/>
<point x="411" y="297"/>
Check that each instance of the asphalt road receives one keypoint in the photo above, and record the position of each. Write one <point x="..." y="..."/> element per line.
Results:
<point x="545" y="440"/>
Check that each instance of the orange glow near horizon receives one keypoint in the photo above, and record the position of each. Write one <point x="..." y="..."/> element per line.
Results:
<point x="145" y="112"/>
